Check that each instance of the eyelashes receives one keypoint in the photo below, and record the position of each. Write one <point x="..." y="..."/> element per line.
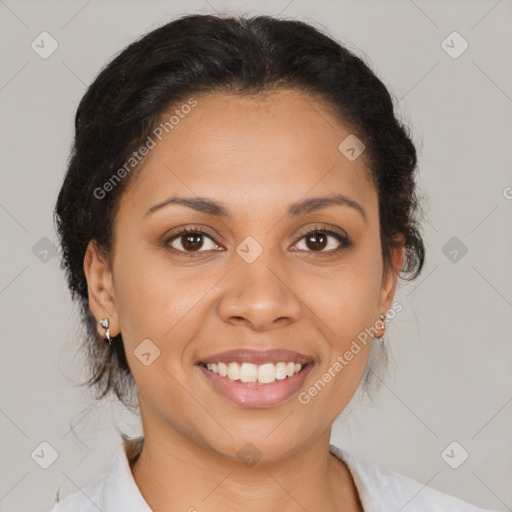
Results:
<point x="193" y="238"/>
<point x="342" y="239"/>
<point x="188" y="232"/>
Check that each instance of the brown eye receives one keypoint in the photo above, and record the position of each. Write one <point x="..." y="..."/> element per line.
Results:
<point x="316" y="241"/>
<point x="190" y="241"/>
<point x="322" y="240"/>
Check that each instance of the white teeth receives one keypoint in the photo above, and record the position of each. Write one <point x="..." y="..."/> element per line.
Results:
<point x="233" y="371"/>
<point x="252" y="373"/>
<point x="223" y="370"/>
<point x="248" y="372"/>
<point x="281" y="372"/>
<point x="266" y="373"/>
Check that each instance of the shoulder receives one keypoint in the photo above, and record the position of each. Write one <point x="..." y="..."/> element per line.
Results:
<point x="114" y="491"/>
<point x="381" y="489"/>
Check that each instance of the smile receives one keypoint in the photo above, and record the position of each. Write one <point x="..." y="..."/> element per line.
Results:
<point x="275" y="386"/>
<point x="255" y="374"/>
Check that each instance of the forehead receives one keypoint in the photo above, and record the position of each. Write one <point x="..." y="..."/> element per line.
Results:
<point x="276" y="148"/>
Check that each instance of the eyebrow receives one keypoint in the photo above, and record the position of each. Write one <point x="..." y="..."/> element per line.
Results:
<point x="211" y="207"/>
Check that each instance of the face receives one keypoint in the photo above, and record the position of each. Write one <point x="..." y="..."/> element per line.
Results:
<point x="249" y="278"/>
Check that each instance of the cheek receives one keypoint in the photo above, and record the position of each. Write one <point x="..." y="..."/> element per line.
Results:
<point x="159" y="302"/>
<point x="348" y="298"/>
<point x="149" y="298"/>
<point x="346" y="305"/>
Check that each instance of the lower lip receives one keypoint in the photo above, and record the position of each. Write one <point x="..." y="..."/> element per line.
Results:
<point x="254" y="395"/>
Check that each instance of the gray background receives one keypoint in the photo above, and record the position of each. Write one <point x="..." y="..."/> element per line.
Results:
<point x="452" y="372"/>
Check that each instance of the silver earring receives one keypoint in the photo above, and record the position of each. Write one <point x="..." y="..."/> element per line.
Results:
<point x="382" y="319"/>
<point x="105" y="324"/>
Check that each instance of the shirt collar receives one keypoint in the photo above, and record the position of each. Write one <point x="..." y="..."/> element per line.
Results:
<point x="363" y="485"/>
<point x="121" y="492"/>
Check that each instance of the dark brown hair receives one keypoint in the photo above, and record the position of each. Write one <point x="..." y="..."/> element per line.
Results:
<point x="206" y="54"/>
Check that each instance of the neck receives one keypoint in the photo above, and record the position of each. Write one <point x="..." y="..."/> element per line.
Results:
<point x="174" y="473"/>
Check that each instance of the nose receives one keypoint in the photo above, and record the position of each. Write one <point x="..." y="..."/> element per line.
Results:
<point x="260" y="295"/>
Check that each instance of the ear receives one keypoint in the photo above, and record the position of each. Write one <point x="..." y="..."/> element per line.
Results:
<point x="390" y="277"/>
<point x="100" y="288"/>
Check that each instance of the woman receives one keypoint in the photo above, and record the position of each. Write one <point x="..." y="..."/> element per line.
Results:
<point x="239" y="204"/>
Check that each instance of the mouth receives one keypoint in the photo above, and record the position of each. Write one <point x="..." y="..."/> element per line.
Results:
<point x="254" y="378"/>
<point x="252" y="374"/>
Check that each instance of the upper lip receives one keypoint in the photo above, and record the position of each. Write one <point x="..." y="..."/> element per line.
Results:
<point x="243" y="355"/>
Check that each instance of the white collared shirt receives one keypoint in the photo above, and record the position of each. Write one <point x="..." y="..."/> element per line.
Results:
<point x="380" y="490"/>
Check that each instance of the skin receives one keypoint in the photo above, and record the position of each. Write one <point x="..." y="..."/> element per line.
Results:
<point x="256" y="155"/>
